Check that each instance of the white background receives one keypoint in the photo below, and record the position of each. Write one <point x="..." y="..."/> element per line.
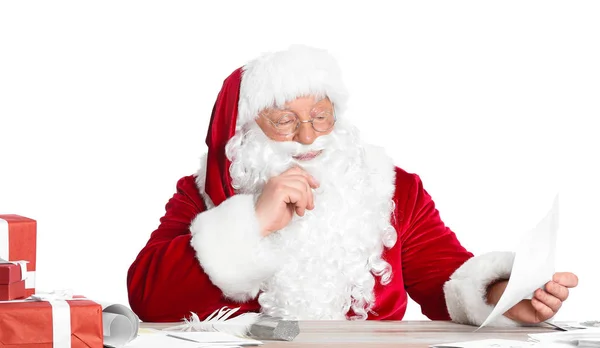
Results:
<point x="104" y="106"/>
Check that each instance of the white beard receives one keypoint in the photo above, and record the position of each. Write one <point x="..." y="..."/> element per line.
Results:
<point x="330" y="257"/>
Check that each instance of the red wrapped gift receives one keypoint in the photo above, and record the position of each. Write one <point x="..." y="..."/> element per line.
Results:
<point x="12" y="280"/>
<point x="18" y="243"/>
<point x="51" y="323"/>
<point x="12" y="291"/>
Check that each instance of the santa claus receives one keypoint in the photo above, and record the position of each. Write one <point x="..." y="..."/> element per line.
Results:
<point x="291" y="215"/>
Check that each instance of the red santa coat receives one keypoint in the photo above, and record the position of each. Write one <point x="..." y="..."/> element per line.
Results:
<point x="168" y="279"/>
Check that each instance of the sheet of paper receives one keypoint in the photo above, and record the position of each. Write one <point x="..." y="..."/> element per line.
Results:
<point x="491" y="343"/>
<point x="214" y="338"/>
<point x="533" y="266"/>
<point x="152" y="338"/>
<point x="576" y="325"/>
<point x="593" y="343"/>
<point x="572" y="337"/>
<point x="159" y="341"/>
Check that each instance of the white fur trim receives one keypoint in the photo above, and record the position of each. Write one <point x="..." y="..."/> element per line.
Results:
<point x="466" y="294"/>
<point x="278" y="77"/>
<point x="229" y="247"/>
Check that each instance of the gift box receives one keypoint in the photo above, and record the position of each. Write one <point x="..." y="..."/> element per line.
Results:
<point x="12" y="291"/>
<point x="18" y="236"/>
<point x="51" y="323"/>
<point x="12" y="280"/>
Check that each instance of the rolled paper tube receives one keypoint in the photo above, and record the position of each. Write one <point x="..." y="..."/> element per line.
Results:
<point x="272" y="328"/>
<point x="117" y="329"/>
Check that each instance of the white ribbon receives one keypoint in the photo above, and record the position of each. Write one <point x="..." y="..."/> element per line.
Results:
<point x="61" y="324"/>
<point x="23" y="265"/>
<point x="57" y="295"/>
<point x="61" y="316"/>
<point x="30" y="280"/>
<point x="3" y="239"/>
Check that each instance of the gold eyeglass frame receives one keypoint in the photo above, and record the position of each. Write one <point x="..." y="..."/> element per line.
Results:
<point x="311" y="121"/>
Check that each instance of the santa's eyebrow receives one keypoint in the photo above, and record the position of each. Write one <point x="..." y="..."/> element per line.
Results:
<point x="278" y="110"/>
<point x="317" y="106"/>
<point x="276" y="107"/>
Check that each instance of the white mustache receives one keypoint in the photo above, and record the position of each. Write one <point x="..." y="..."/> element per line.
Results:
<point x="292" y="148"/>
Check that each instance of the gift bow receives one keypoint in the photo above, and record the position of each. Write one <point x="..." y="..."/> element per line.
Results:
<point x="56" y="295"/>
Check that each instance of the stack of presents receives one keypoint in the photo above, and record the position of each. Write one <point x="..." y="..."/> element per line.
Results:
<point x="30" y="319"/>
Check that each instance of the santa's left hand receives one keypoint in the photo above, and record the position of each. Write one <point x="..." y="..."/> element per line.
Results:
<point x="545" y="303"/>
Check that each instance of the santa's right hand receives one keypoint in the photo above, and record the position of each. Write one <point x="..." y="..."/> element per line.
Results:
<point x="284" y="195"/>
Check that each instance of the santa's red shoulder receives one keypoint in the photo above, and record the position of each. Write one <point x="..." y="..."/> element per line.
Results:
<point x="187" y="184"/>
<point x="407" y="179"/>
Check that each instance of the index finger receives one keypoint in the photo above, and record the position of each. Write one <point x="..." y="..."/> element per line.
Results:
<point x="295" y="170"/>
<point x="566" y="279"/>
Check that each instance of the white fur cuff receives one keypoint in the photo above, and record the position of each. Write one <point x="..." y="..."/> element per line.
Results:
<point x="466" y="291"/>
<point x="228" y="246"/>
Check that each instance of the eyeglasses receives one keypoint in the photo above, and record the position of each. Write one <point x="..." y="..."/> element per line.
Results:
<point x="289" y="123"/>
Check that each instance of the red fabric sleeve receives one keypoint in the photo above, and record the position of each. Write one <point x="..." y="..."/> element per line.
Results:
<point x="166" y="282"/>
<point x="430" y="250"/>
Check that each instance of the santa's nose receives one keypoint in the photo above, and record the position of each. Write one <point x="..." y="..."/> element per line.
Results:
<point x="306" y="134"/>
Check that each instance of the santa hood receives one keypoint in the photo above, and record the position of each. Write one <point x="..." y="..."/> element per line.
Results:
<point x="269" y="80"/>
